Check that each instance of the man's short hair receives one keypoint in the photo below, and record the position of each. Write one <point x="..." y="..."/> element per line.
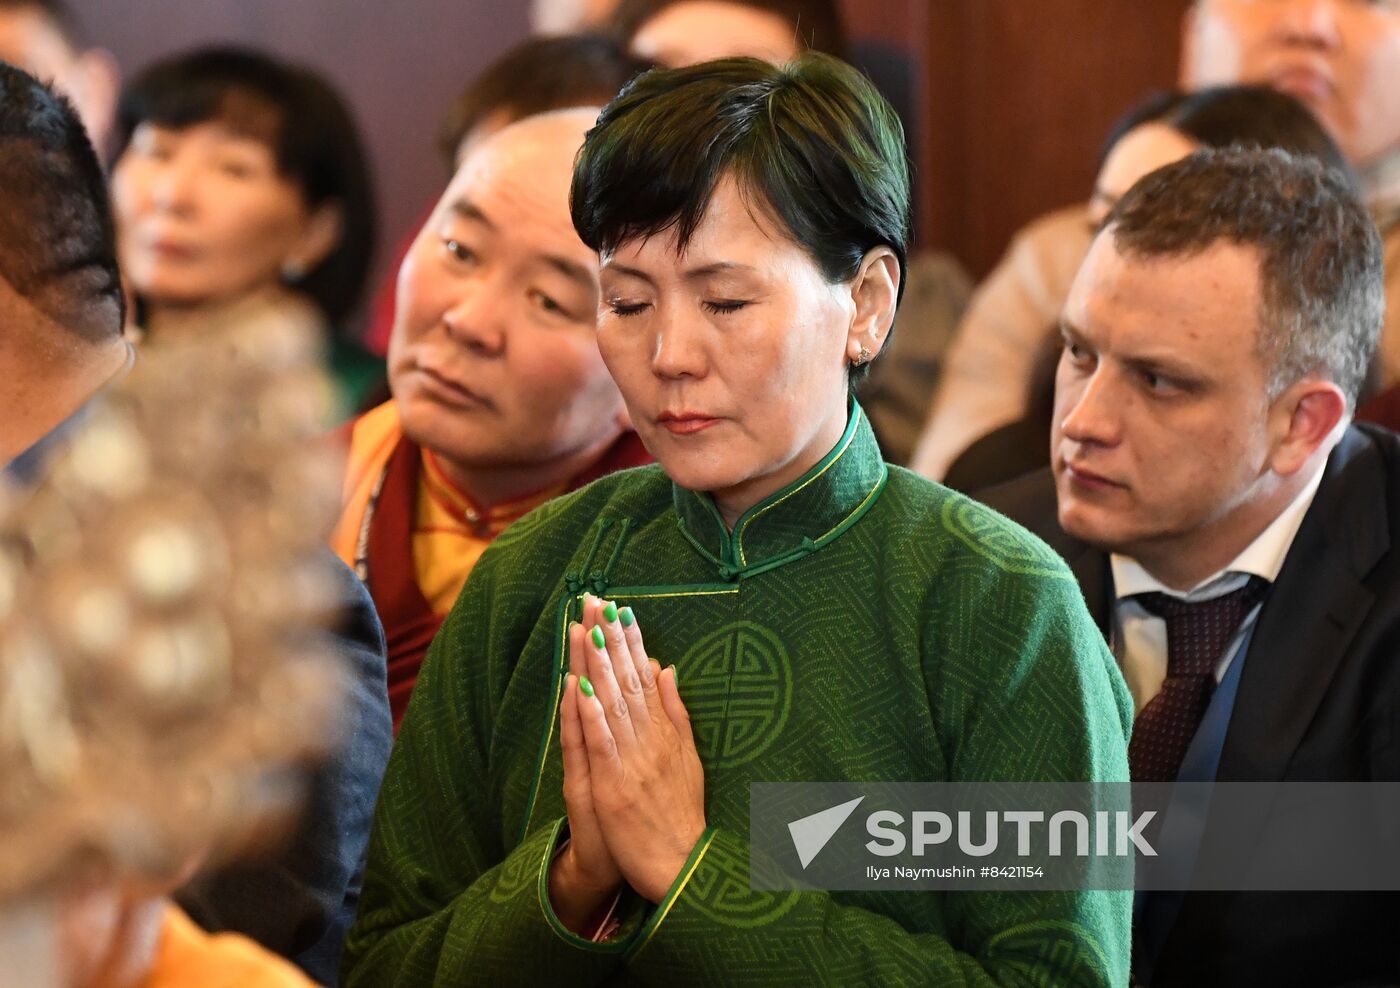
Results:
<point x="539" y="75"/>
<point x="57" y="238"/>
<point x="816" y="24"/>
<point x="811" y="142"/>
<point x="1320" y="257"/>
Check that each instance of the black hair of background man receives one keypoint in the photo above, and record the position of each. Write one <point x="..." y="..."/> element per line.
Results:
<point x="57" y="237"/>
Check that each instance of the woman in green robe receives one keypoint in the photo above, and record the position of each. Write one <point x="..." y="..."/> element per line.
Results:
<point x="560" y="808"/>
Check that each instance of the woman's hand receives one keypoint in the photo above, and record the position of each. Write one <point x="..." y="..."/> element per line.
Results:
<point x="644" y="774"/>
<point x="584" y="878"/>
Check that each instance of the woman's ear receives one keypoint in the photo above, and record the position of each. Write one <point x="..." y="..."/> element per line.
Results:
<point x="324" y="227"/>
<point x="875" y="294"/>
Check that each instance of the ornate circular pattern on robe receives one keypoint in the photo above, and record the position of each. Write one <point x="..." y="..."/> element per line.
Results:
<point x="987" y="534"/>
<point x="737" y="685"/>
<point x="720" y="890"/>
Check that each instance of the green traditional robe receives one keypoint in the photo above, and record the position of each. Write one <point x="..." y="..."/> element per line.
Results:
<point x="862" y="624"/>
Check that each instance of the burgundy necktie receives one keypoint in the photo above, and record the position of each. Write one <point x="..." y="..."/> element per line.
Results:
<point x="1197" y="633"/>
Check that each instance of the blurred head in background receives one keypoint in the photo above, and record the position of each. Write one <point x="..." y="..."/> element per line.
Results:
<point x="676" y="33"/>
<point x="42" y="37"/>
<point x="1340" y="57"/>
<point x="569" y="16"/>
<point x="1166" y="128"/>
<point x="238" y="176"/>
<point x="536" y="76"/>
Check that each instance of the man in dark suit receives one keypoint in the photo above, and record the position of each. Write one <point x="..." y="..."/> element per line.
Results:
<point x="1231" y="530"/>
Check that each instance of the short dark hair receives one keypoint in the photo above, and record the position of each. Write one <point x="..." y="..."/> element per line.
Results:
<point x="1256" y="116"/>
<point x="305" y="122"/>
<point x="58" y="13"/>
<point x="1321" y="268"/>
<point x="539" y="75"/>
<point x="1150" y="109"/>
<point x="816" y="23"/>
<point x="1219" y="116"/>
<point x="57" y="238"/>
<point x="814" y="142"/>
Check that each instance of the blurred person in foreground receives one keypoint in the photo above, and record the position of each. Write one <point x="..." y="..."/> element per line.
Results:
<point x="1162" y="129"/>
<point x="558" y="807"/>
<point x="536" y="76"/>
<point x="162" y="685"/>
<point x="242" y="194"/>
<point x="896" y="392"/>
<point x="500" y="398"/>
<point x="1340" y="58"/>
<point x="1231" y="529"/>
<point x="62" y="348"/>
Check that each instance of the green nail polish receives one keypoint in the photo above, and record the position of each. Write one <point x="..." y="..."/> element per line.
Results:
<point x="627" y="617"/>
<point x="675" y="675"/>
<point x="610" y="612"/>
<point x="598" y="639"/>
<point x="585" y="686"/>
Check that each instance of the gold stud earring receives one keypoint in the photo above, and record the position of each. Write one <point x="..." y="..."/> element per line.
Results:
<point x="863" y="357"/>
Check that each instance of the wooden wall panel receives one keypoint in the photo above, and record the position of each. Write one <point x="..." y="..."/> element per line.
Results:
<point x="1018" y="95"/>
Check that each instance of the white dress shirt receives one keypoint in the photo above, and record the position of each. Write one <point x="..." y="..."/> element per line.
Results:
<point x="1140" y="638"/>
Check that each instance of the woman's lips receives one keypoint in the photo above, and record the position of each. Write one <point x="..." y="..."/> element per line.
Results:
<point x="1304" y="83"/>
<point x="172" y="250"/>
<point x="686" y="423"/>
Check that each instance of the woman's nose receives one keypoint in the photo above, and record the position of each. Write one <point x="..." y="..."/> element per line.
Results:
<point x="1310" y="22"/>
<point x="678" y="349"/>
<point x="174" y="186"/>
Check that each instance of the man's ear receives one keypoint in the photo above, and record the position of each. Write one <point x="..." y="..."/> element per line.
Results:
<point x="1303" y="418"/>
<point x="875" y="294"/>
<point x="321" y="235"/>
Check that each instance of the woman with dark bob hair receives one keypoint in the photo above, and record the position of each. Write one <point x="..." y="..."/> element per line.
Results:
<point x="559" y="808"/>
<point x="241" y="192"/>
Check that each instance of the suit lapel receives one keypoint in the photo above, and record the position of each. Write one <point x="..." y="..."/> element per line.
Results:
<point x="1090" y="567"/>
<point x="1310" y="616"/>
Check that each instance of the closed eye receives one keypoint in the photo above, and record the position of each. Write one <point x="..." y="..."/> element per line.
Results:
<point x="624" y="309"/>
<point x="723" y="306"/>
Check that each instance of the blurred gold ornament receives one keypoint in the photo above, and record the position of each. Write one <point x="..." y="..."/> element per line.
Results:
<point x="161" y="596"/>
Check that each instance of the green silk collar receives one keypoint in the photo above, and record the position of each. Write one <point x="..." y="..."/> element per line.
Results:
<point x="799" y="519"/>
